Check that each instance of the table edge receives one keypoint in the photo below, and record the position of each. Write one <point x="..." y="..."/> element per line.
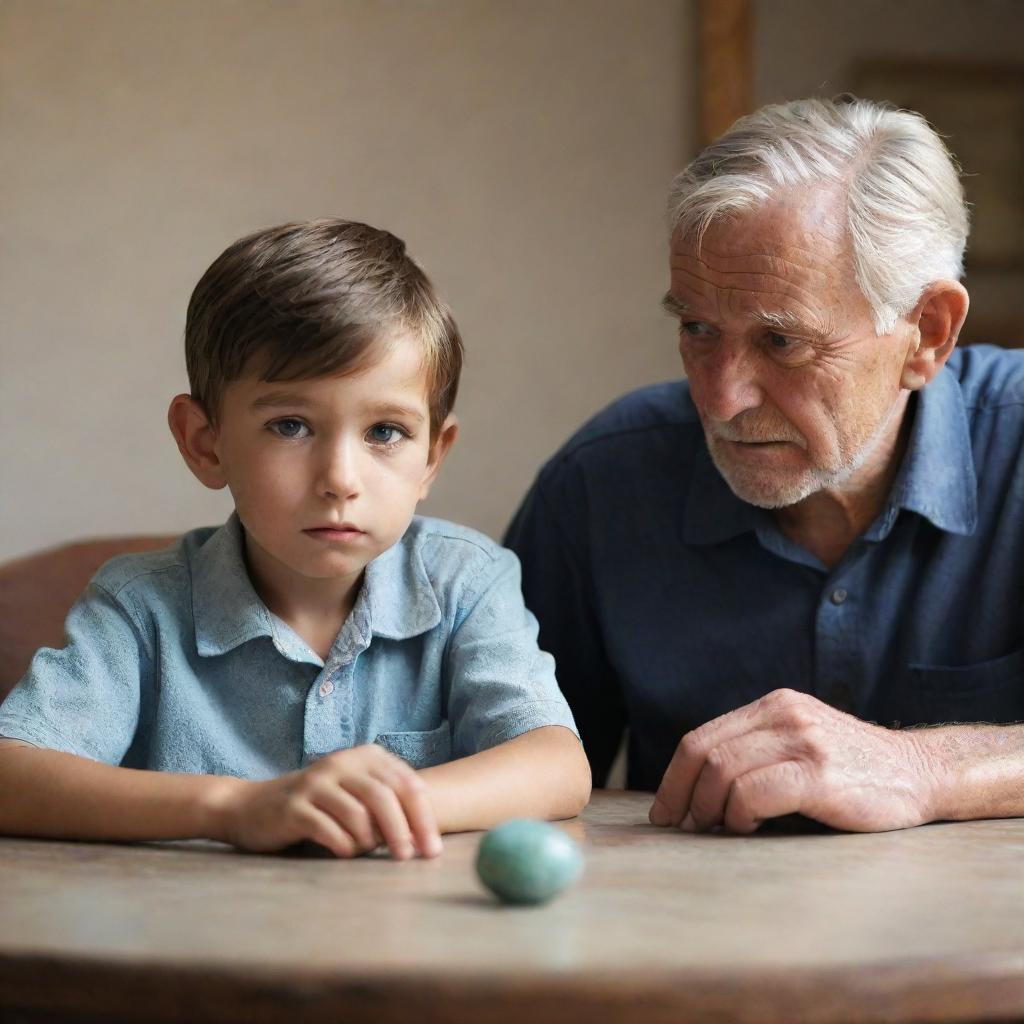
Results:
<point x="973" y="988"/>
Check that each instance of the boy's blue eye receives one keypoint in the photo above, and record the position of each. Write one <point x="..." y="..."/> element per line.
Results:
<point x="385" y="434"/>
<point x="289" y="428"/>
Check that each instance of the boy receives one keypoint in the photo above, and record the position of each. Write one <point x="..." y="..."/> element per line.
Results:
<point x="325" y="667"/>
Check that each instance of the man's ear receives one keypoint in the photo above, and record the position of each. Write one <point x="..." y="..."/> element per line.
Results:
<point x="936" y="321"/>
<point x="439" y="452"/>
<point x="196" y="437"/>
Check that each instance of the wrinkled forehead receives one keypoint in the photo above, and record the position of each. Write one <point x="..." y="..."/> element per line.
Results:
<point x="794" y="252"/>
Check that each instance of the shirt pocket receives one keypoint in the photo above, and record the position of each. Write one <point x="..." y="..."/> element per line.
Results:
<point x="989" y="691"/>
<point x="420" y="749"/>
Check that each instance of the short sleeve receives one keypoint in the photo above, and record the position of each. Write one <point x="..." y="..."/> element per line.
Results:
<point x="500" y="683"/>
<point x="84" y="698"/>
<point x="548" y="534"/>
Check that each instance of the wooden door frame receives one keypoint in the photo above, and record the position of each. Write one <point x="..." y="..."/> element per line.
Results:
<point x="725" y="35"/>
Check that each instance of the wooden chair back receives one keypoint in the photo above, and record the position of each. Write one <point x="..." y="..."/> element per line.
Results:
<point x="37" y="591"/>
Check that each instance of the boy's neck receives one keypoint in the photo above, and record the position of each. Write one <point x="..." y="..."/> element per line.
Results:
<point x="315" y="609"/>
<point x="319" y="631"/>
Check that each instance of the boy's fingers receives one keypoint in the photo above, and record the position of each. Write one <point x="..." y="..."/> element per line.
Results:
<point x="414" y="797"/>
<point x="419" y="812"/>
<point x="349" y="813"/>
<point x="386" y="809"/>
<point x="323" y="829"/>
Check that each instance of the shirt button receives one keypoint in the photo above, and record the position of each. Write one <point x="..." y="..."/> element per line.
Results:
<point x="838" y="596"/>
<point x="326" y="688"/>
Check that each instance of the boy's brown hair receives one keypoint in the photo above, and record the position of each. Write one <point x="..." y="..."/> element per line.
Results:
<point x="311" y="299"/>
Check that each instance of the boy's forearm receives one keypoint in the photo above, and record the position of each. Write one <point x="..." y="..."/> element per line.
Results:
<point x="540" y="774"/>
<point x="55" y="795"/>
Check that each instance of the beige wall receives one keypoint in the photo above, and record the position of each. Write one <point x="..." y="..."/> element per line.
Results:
<point x="522" y="147"/>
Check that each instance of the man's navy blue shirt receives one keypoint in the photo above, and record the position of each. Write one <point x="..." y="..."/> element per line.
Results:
<point x="667" y="601"/>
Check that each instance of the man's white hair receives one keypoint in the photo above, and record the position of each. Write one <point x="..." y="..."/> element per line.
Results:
<point x="906" y="214"/>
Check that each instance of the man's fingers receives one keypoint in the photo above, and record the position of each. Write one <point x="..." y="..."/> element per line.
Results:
<point x="726" y="763"/>
<point x="765" y="793"/>
<point x="672" y="801"/>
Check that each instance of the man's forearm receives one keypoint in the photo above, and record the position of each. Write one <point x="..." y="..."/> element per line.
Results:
<point x="60" y="796"/>
<point x="977" y="770"/>
<point x="540" y="774"/>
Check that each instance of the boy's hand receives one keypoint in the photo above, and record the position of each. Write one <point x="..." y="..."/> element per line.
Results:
<point x="349" y="801"/>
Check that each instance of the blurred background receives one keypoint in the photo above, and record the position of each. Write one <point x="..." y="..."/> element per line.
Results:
<point x="523" y="148"/>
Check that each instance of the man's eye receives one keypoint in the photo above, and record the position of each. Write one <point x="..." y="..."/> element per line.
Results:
<point x="289" y="428"/>
<point x="385" y="434"/>
<point x="791" y="351"/>
<point x="696" y="328"/>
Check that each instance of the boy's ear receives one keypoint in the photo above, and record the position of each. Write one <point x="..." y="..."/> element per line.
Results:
<point x="439" y="451"/>
<point x="936" y="320"/>
<point x="196" y="439"/>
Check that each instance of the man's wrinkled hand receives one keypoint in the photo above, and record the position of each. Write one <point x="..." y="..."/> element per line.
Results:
<point x="790" y="753"/>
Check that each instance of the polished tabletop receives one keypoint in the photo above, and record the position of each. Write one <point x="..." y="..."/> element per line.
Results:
<point x="790" y="925"/>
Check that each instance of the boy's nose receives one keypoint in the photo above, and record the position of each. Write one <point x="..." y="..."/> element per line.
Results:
<point x="339" y="472"/>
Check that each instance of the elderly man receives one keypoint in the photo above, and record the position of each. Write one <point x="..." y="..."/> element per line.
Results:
<point x="771" y="571"/>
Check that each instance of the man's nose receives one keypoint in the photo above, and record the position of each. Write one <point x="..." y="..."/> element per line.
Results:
<point x="727" y="382"/>
<point x="339" y="470"/>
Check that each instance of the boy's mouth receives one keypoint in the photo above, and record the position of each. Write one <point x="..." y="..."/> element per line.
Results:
<point x="336" y="531"/>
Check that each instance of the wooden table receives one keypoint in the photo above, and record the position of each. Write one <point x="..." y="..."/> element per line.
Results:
<point x="921" y="925"/>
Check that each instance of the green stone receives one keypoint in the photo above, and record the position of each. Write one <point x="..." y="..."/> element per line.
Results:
<point x="523" y="861"/>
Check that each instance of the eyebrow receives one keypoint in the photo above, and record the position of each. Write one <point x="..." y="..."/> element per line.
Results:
<point x="674" y="306"/>
<point x="785" y="321"/>
<point x="788" y="322"/>
<point x="395" y="409"/>
<point x="276" y="398"/>
<point x="292" y="399"/>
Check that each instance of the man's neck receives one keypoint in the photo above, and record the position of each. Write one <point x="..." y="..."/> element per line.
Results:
<point x="828" y="522"/>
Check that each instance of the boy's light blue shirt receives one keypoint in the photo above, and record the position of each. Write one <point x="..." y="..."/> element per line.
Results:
<point x="174" y="663"/>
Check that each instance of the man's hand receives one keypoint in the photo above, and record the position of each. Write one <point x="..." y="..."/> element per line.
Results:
<point x="790" y="753"/>
<point x="349" y="801"/>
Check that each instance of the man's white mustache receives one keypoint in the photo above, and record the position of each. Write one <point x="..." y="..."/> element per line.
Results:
<point x="754" y="433"/>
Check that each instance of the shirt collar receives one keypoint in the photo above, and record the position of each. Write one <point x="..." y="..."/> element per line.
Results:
<point x="400" y="597"/>
<point x="936" y="480"/>
<point x="396" y="597"/>
<point x="225" y="607"/>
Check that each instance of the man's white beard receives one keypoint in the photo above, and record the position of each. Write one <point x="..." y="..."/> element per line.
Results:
<point x="761" y="488"/>
<point x="766" y="490"/>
